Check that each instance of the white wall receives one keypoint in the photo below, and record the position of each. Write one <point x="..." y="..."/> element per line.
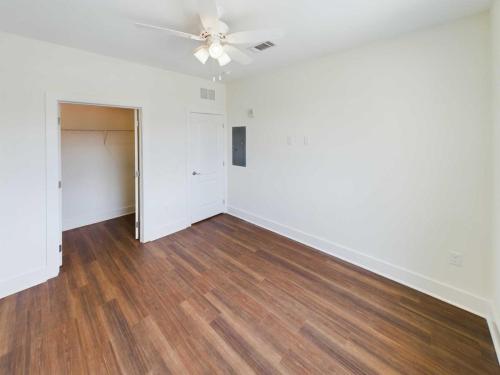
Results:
<point x="397" y="171"/>
<point x="98" y="178"/>
<point x="97" y="162"/>
<point x="28" y="70"/>
<point x="495" y="260"/>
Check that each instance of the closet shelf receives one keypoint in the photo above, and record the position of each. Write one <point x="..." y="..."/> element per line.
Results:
<point x="105" y="131"/>
<point x="97" y="130"/>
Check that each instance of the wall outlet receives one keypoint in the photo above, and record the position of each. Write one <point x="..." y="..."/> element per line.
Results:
<point x="455" y="259"/>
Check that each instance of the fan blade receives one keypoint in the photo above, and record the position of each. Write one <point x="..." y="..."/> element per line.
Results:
<point x="237" y="55"/>
<point x="209" y="15"/>
<point x="255" y="36"/>
<point x="182" y="34"/>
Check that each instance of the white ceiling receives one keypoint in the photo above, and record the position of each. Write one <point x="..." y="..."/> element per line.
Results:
<point x="313" y="27"/>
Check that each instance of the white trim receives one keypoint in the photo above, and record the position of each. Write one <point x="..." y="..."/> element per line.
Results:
<point x="450" y="294"/>
<point x="494" y="326"/>
<point x="188" y="156"/>
<point x="495" y="315"/>
<point x="82" y="220"/>
<point x="24" y="281"/>
<point x="53" y="166"/>
<point x="437" y="289"/>
<point x="52" y="177"/>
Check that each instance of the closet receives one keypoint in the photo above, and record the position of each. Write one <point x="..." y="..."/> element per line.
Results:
<point x="98" y="163"/>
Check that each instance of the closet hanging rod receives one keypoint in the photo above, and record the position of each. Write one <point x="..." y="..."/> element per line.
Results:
<point x="97" y="130"/>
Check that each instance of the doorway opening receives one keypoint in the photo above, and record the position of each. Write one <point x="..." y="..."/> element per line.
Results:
<point x="99" y="152"/>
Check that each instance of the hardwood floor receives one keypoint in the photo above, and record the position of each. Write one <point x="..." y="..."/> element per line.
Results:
<point x="225" y="296"/>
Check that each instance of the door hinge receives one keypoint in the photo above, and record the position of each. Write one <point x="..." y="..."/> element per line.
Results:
<point x="60" y="248"/>
<point x="137" y="224"/>
<point x="223" y="163"/>
<point x="137" y="174"/>
<point x="59" y="184"/>
<point x="59" y="120"/>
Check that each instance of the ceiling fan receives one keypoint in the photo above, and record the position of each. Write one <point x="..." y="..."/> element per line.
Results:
<point x="217" y="43"/>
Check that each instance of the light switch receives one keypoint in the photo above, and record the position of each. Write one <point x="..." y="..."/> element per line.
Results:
<point x="289" y="140"/>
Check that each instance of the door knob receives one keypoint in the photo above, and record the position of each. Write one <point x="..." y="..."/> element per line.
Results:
<point x="195" y="173"/>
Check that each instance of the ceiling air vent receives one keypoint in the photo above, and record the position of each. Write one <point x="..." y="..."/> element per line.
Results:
<point x="262" y="47"/>
<point x="207" y="94"/>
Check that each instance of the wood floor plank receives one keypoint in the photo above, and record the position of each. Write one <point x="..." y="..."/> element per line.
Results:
<point x="227" y="297"/>
<point x="249" y="353"/>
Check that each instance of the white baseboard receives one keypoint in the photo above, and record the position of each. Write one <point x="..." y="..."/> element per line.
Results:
<point x="435" y="288"/>
<point x="447" y="293"/>
<point x="87" y="219"/>
<point x="25" y="281"/>
<point x="494" y="326"/>
<point x="165" y="230"/>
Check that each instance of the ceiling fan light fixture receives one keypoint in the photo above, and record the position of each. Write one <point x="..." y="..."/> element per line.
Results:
<point x="202" y="54"/>
<point x="216" y="50"/>
<point x="224" y="59"/>
<point x="218" y="43"/>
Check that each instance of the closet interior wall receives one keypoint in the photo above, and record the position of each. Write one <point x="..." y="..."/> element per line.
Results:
<point x="97" y="163"/>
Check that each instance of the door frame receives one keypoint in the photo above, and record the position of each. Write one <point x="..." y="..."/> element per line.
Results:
<point x="188" y="158"/>
<point x="53" y="166"/>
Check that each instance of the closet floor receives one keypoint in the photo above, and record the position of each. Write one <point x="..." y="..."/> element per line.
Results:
<point x="225" y="296"/>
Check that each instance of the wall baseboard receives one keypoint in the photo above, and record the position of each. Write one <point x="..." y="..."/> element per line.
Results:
<point x="494" y="326"/>
<point x="22" y="282"/>
<point x="447" y="293"/>
<point x="437" y="289"/>
<point x="82" y="220"/>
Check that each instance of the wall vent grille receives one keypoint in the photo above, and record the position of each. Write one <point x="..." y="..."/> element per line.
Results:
<point x="262" y="47"/>
<point x="207" y="94"/>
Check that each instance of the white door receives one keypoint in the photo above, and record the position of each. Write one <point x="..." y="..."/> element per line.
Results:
<point x="136" y="172"/>
<point x="206" y="172"/>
